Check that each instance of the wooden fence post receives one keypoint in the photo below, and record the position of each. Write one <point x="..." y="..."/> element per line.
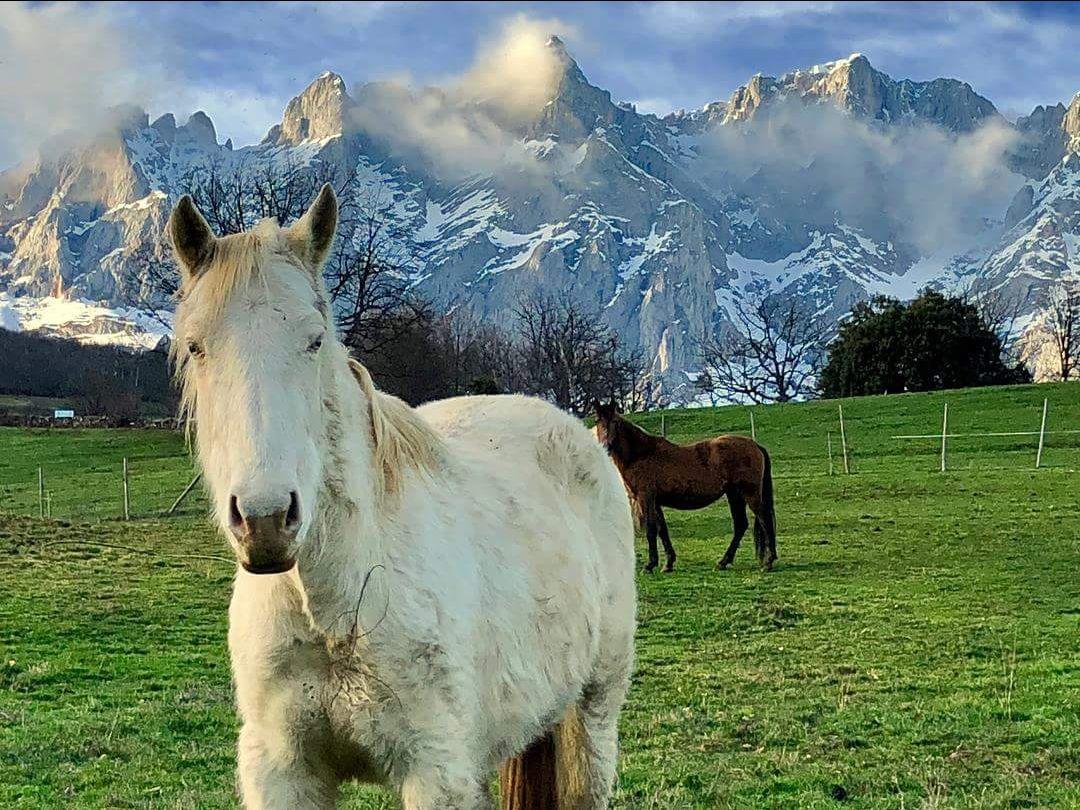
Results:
<point x="663" y="425"/>
<point x="753" y="430"/>
<point x="830" y="452"/>
<point x="184" y="494"/>
<point x="843" y="439"/>
<point x="127" y="511"/>
<point x="41" y="492"/>
<point x="944" y="433"/>
<point x="48" y="504"/>
<point x="1042" y="433"/>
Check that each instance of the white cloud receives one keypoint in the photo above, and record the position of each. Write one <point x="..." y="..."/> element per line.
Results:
<point x="929" y="186"/>
<point x="517" y="71"/>
<point x="696" y="21"/>
<point x="63" y="67"/>
<point x="471" y="123"/>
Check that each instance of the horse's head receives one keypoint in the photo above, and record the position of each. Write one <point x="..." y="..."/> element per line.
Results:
<point x="607" y="423"/>
<point x="253" y="336"/>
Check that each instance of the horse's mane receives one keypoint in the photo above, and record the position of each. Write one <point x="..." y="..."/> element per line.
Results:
<point x="400" y="436"/>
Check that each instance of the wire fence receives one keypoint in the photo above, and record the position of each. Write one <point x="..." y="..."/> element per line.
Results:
<point x="79" y="474"/>
<point x="952" y="432"/>
<point x="97" y="474"/>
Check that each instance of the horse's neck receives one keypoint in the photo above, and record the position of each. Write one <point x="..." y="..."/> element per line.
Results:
<point x="636" y="442"/>
<point x="347" y="544"/>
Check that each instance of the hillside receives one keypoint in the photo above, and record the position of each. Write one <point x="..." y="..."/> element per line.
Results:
<point x="830" y="183"/>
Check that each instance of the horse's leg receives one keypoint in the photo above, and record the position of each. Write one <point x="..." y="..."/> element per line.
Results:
<point x="438" y="766"/>
<point x="587" y="737"/>
<point x="439" y="787"/>
<point x="737" y="504"/>
<point x="766" y="552"/>
<point x="284" y="728"/>
<point x="598" y="715"/>
<point x="273" y="775"/>
<point x="651" y="527"/>
<point x="669" y="550"/>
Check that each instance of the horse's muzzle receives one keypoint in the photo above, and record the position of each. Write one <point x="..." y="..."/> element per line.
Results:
<point x="275" y="567"/>
<point x="265" y="541"/>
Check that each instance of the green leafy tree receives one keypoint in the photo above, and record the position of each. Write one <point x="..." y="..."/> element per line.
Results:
<point x="930" y="343"/>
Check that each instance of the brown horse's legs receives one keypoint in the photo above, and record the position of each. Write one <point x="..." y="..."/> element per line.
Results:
<point x="669" y="550"/>
<point x="738" y="519"/>
<point x="651" y="527"/>
<point x="765" y="548"/>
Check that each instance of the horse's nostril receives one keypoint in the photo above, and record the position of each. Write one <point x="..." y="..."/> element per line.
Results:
<point x="292" y="518"/>
<point x="235" y="518"/>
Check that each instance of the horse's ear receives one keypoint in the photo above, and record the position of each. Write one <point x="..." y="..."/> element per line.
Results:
<point x="312" y="235"/>
<point x="597" y="407"/>
<point x="192" y="239"/>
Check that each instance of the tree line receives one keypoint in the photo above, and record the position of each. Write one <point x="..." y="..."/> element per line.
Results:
<point x="778" y="351"/>
<point x="95" y="380"/>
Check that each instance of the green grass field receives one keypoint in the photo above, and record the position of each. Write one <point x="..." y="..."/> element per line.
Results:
<point x="917" y="645"/>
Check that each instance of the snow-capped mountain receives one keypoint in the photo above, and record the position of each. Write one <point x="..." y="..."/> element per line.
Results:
<point x="831" y="183"/>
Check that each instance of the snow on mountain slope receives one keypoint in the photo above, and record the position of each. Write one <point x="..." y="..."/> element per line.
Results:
<point x="82" y="321"/>
<point x="804" y="185"/>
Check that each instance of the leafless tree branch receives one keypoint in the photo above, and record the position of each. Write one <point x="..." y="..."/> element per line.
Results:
<point x="771" y="354"/>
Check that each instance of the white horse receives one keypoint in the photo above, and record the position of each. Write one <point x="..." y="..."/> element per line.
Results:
<point x="420" y="594"/>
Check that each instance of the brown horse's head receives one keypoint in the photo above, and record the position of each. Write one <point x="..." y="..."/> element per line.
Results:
<point x="607" y="423"/>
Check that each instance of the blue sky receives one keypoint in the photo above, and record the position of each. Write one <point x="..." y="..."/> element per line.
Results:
<point x="242" y="62"/>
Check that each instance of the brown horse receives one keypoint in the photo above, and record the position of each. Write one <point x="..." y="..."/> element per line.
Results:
<point x="659" y="473"/>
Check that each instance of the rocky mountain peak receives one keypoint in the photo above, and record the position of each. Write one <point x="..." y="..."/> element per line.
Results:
<point x="576" y="107"/>
<point x="321" y="111"/>
<point x="1045" y="138"/>
<point x="555" y="43"/>
<point x="200" y="129"/>
<point x="1071" y="123"/>
<point x="853" y="84"/>
<point x="662" y="232"/>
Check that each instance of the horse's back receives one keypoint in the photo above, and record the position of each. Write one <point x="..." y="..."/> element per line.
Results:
<point x="567" y="520"/>
<point x="741" y="457"/>
<point x="544" y="455"/>
<point x="533" y="432"/>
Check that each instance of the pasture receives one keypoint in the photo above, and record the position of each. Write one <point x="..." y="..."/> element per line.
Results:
<point x="917" y="645"/>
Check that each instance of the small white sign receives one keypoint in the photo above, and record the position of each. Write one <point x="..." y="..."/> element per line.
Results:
<point x="60" y="413"/>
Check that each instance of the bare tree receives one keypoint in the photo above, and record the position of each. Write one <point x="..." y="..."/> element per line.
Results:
<point x="569" y="356"/>
<point x="151" y="281"/>
<point x="446" y="355"/>
<point x="1000" y="310"/>
<point x="110" y="392"/>
<point x="369" y="275"/>
<point x="236" y="193"/>
<point x="233" y="195"/>
<point x="771" y="355"/>
<point x="557" y="350"/>
<point x="1062" y="326"/>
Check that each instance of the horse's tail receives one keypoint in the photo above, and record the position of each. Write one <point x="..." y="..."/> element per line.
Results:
<point x="765" y="519"/>
<point x="552" y="773"/>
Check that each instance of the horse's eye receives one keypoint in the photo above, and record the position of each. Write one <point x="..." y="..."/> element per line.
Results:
<point x="315" y="345"/>
<point x="194" y="348"/>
